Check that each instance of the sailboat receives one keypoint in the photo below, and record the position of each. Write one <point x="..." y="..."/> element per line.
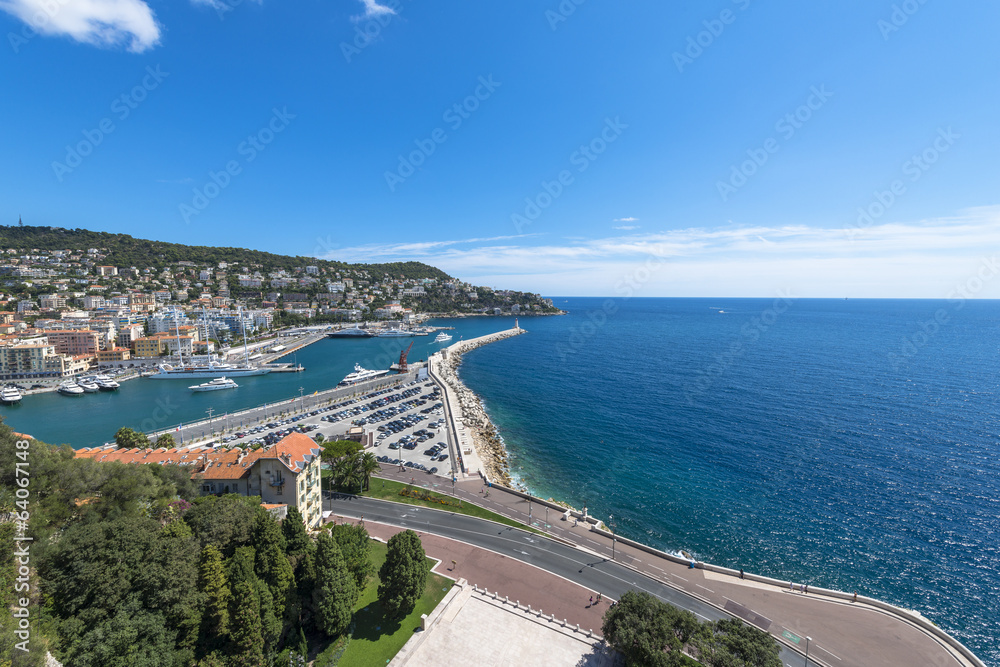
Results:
<point x="212" y="369"/>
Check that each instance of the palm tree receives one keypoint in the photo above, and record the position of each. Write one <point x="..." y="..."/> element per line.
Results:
<point x="347" y="471"/>
<point x="369" y="464"/>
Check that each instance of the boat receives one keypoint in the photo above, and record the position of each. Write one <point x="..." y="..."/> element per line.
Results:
<point x="106" y="383"/>
<point x="10" y="395"/>
<point x="395" y="333"/>
<point x="70" y="389"/>
<point x="350" y="332"/>
<point x="360" y="375"/>
<point x="88" y="385"/>
<point x="211" y="369"/>
<point x="215" y="385"/>
<point x="442" y="338"/>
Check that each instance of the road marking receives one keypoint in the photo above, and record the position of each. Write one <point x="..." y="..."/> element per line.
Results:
<point x="592" y="541"/>
<point x="707" y="589"/>
<point x="825" y="651"/>
<point x="677" y="575"/>
<point x="657" y="568"/>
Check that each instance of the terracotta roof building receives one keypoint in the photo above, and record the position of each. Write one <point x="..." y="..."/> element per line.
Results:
<point x="286" y="473"/>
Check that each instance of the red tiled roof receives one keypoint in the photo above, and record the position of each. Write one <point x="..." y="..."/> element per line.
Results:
<point x="295" y="451"/>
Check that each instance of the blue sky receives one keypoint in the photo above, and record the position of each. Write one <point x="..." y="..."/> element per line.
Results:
<point x="575" y="147"/>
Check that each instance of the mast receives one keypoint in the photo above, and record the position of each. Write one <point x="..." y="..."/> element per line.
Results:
<point x="204" y="321"/>
<point x="243" y="326"/>
<point x="177" y="331"/>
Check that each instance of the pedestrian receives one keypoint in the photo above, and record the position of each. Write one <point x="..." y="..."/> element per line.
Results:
<point x="806" y="589"/>
<point x="599" y="597"/>
<point x="591" y="601"/>
<point x="362" y="519"/>
<point x="855" y="597"/>
<point x="741" y="573"/>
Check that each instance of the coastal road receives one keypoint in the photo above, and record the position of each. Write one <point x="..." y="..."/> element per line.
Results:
<point x="589" y="570"/>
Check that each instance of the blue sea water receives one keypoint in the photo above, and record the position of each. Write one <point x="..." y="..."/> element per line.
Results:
<point x="846" y="444"/>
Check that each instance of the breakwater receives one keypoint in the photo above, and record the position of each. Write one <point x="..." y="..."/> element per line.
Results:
<point x="467" y="409"/>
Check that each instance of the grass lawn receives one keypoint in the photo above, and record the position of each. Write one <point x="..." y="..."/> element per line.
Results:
<point x="377" y="639"/>
<point x="390" y="491"/>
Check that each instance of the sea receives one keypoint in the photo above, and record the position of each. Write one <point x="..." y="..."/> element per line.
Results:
<point x="848" y="444"/>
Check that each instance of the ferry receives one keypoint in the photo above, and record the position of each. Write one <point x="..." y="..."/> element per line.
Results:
<point x="351" y="332"/>
<point x="215" y="385"/>
<point x="442" y="338"/>
<point x="10" y="395"/>
<point x="360" y="375"/>
<point x="70" y="389"/>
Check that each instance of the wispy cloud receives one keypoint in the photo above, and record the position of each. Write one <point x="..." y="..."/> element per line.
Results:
<point x="626" y="219"/>
<point x="625" y="228"/>
<point x="917" y="259"/>
<point x="372" y="9"/>
<point x="104" y="23"/>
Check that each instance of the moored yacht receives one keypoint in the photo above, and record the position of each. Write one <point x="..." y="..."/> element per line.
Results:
<point x="442" y="338"/>
<point x="10" y="395"/>
<point x="70" y="389"/>
<point x="88" y="385"/>
<point x="360" y="375"/>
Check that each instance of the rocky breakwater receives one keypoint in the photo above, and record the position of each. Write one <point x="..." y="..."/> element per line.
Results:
<point x="469" y="409"/>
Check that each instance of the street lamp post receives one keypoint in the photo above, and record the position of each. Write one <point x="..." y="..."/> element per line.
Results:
<point x="302" y="401"/>
<point x="611" y="524"/>
<point x="808" y="639"/>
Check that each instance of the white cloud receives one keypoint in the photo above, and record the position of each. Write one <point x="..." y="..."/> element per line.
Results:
<point x="924" y="259"/>
<point x="626" y="228"/>
<point x="104" y="23"/>
<point x="626" y="219"/>
<point x="372" y="9"/>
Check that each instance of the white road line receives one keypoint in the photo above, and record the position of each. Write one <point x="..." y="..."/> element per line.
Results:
<point x="707" y="589"/>
<point x="657" y="568"/>
<point x="591" y="541"/>
<point x="825" y="651"/>
<point x="677" y="575"/>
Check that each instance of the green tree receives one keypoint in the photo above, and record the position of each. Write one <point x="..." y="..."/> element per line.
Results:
<point x="335" y="593"/>
<point x="247" y="648"/>
<point x="126" y="437"/>
<point x="639" y="628"/>
<point x="736" y="643"/>
<point x="166" y="440"/>
<point x="294" y="530"/>
<point x="347" y="472"/>
<point x="355" y="545"/>
<point x="214" y="586"/>
<point x="403" y="574"/>
<point x="271" y="564"/>
<point x="369" y="465"/>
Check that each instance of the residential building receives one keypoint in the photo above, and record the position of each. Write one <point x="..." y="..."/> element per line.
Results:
<point x="73" y="342"/>
<point x="287" y="473"/>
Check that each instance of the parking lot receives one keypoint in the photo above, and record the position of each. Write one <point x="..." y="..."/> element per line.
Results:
<point x="408" y="421"/>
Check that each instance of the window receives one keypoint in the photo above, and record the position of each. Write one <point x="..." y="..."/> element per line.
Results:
<point x="280" y="489"/>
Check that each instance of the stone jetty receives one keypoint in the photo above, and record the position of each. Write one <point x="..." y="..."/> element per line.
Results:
<point x="469" y="410"/>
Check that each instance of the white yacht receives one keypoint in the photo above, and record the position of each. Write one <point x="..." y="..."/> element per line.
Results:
<point x="360" y="375"/>
<point x="350" y="332"/>
<point x="395" y="332"/>
<point x="10" y="395"/>
<point x="70" y="389"/>
<point x="215" y="385"/>
<point x="105" y="383"/>
<point x="210" y="370"/>
<point x="442" y="338"/>
<point x="88" y="385"/>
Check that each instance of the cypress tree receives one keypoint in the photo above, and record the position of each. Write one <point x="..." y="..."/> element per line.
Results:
<point x="247" y="648"/>
<point x="333" y="600"/>
<point x="403" y="574"/>
<point x="271" y="564"/>
<point x="294" y="529"/>
<point x="213" y="584"/>
<point x="270" y="625"/>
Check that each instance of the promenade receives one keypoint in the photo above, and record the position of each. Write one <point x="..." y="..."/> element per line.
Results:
<point x="842" y="632"/>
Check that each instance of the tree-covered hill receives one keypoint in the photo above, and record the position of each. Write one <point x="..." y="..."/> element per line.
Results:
<point x="125" y="250"/>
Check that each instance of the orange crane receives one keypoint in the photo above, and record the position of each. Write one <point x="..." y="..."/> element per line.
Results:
<point x="402" y="367"/>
